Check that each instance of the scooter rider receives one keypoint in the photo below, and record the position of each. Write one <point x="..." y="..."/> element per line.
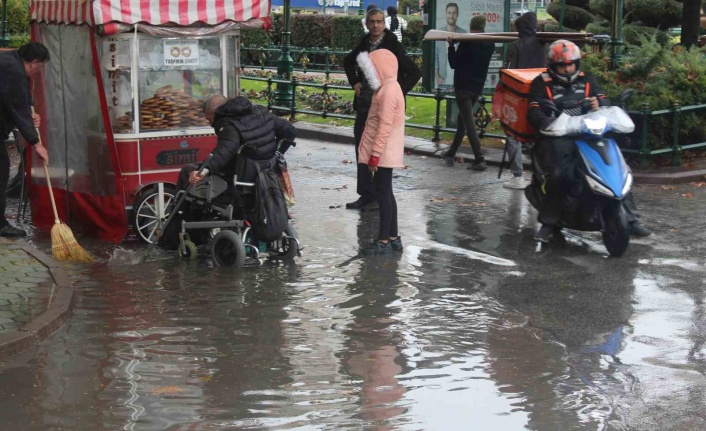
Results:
<point x="572" y="91"/>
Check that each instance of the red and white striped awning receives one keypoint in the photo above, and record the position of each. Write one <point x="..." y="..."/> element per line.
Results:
<point x="154" y="12"/>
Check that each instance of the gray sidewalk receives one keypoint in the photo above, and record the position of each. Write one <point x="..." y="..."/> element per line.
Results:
<point x="35" y="297"/>
<point x="694" y="172"/>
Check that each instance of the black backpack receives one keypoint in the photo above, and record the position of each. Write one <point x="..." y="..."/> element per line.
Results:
<point x="269" y="216"/>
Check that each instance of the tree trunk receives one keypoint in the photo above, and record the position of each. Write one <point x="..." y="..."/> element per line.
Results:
<point x="691" y="21"/>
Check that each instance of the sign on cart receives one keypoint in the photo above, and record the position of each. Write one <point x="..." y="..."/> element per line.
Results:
<point x="181" y="52"/>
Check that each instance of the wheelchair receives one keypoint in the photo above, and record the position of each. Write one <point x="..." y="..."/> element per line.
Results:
<point x="215" y="214"/>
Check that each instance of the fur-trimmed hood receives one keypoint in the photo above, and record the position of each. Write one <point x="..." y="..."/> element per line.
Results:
<point x="379" y="67"/>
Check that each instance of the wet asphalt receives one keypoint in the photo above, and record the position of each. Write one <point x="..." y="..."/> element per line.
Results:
<point x="474" y="326"/>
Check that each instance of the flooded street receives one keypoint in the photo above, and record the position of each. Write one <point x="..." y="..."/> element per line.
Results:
<point x="473" y="327"/>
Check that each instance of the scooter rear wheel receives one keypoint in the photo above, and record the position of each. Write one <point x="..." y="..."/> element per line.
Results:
<point x="616" y="235"/>
<point x="288" y="247"/>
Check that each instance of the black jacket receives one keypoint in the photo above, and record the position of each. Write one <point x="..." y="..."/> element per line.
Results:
<point x="527" y="52"/>
<point x="238" y="122"/>
<point x="567" y="98"/>
<point x="470" y="64"/>
<point x="15" y="100"/>
<point x="408" y="73"/>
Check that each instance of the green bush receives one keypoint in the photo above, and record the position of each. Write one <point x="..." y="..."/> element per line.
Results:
<point x="635" y="33"/>
<point x="603" y="8"/>
<point x="17" y="17"/>
<point x="660" y="74"/>
<point x="655" y="13"/>
<point x="347" y="31"/>
<point x="17" y="40"/>
<point x="413" y="35"/>
<point x="574" y="17"/>
<point x="311" y="30"/>
<point x="255" y="38"/>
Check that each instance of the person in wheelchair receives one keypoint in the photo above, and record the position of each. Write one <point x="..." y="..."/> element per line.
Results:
<point x="243" y="129"/>
<point x="573" y="92"/>
<point x="248" y="140"/>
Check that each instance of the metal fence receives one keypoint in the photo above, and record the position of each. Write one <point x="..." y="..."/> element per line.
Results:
<point x="327" y="61"/>
<point x="483" y="116"/>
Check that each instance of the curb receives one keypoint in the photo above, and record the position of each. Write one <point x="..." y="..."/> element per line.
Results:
<point x="42" y="326"/>
<point x="493" y="156"/>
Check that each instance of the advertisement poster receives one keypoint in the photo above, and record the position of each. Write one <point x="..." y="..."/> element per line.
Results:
<point x="456" y="17"/>
<point x="181" y="52"/>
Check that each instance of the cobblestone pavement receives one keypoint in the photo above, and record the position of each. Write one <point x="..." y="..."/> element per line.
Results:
<point x="25" y="287"/>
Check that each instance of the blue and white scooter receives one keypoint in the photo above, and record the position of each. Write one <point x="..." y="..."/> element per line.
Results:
<point x="604" y="179"/>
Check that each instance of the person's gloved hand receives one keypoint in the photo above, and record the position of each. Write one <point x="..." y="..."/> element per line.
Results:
<point x="284" y="146"/>
<point x="373" y="163"/>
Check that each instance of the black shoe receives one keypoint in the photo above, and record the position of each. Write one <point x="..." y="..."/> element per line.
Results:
<point x="10" y="231"/>
<point x="377" y="248"/>
<point x="639" y="230"/>
<point x="370" y="206"/>
<point x="357" y="204"/>
<point x="449" y="160"/>
<point x="478" y="166"/>
<point x="544" y="233"/>
<point x="396" y="244"/>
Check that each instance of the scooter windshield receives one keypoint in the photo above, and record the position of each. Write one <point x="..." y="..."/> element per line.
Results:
<point x="614" y="118"/>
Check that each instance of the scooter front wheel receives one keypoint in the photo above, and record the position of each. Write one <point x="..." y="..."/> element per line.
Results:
<point x="616" y="235"/>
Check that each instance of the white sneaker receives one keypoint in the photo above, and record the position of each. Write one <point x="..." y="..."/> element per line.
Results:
<point x="516" y="183"/>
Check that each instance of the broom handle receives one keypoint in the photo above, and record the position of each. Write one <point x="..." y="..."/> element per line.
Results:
<point x="46" y="174"/>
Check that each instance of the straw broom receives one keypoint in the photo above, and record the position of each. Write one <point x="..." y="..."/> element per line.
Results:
<point x="63" y="244"/>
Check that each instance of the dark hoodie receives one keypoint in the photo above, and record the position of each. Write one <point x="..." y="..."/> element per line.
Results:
<point x="238" y="122"/>
<point x="527" y="52"/>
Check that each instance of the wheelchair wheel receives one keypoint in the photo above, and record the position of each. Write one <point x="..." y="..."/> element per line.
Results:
<point x="227" y="249"/>
<point x="145" y="220"/>
<point x="191" y="252"/>
<point x="288" y="249"/>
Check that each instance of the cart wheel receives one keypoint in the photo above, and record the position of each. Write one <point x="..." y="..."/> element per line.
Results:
<point x="191" y="252"/>
<point x="145" y="219"/>
<point x="288" y="248"/>
<point x="227" y="249"/>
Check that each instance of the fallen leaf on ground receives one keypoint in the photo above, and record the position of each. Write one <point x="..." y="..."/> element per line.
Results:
<point x="699" y="184"/>
<point x="667" y="187"/>
<point x="687" y="195"/>
<point x="443" y="199"/>
<point x="167" y="390"/>
<point x="347" y="162"/>
<point x="472" y="204"/>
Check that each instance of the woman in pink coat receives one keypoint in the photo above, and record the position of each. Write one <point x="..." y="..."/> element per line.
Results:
<point x="382" y="143"/>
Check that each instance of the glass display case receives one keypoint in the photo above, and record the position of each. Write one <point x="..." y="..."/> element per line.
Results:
<point x="156" y="86"/>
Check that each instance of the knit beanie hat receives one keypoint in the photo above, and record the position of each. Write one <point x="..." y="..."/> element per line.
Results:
<point x="478" y="23"/>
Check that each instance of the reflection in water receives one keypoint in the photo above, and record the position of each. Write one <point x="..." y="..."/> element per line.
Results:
<point x="469" y="328"/>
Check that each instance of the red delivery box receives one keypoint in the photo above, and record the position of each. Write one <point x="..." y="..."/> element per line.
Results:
<point x="511" y="100"/>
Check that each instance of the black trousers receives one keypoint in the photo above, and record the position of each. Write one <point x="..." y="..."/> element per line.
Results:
<point x="558" y="159"/>
<point x="364" y="183"/>
<point x="388" y="204"/>
<point x="4" y="178"/>
<point x="466" y="124"/>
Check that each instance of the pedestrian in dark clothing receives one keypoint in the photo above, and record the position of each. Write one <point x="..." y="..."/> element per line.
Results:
<point x="526" y="53"/>
<point x="16" y="68"/>
<point x="470" y="63"/>
<point x="408" y="74"/>
<point x="238" y="122"/>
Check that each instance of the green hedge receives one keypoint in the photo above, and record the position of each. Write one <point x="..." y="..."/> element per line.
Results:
<point x="574" y="17"/>
<point x="311" y="30"/>
<point x="333" y="31"/>
<point x="17" y="40"/>
<point x="660" y="74"/>
<point x="18" y="17"/>
<point x="655" y="13"/>
<point x="347" y="31"/>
